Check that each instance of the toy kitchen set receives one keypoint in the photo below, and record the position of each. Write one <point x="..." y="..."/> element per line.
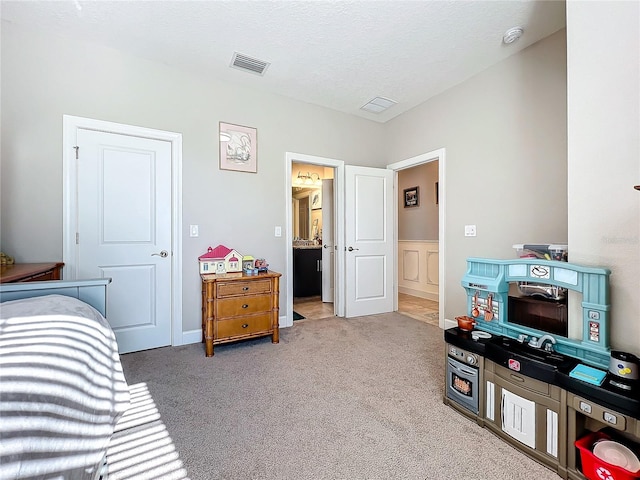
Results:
<point x="518" y="366"/>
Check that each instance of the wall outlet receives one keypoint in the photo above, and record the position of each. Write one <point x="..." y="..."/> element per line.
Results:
<point x="469" y="230"/>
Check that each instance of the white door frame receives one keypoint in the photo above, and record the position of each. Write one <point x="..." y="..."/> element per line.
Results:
<point x="338" y="209"/>
<point x="70" y="202"/>
<point x="439" y="155"/>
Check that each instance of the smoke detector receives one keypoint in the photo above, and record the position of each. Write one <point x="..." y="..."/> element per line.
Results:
<point x="512" y="35"/>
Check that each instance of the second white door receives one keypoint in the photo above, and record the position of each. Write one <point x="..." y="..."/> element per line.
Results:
<point x="369" y="236"/>
<point x="124" y="232"/>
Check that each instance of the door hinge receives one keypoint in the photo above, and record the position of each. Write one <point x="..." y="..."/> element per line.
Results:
<point x="76" y="149"/>
<point x="77" y="238"/>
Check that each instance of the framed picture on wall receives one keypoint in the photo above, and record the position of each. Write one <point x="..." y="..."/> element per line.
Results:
<point x="411" y="197"/>
<point x="238" y="148"/>
<point x="316" y="199"/>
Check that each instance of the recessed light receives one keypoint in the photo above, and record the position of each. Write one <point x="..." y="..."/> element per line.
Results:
<point x="512" y="35"/>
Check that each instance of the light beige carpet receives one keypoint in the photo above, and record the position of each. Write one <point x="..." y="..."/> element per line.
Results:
<point x="336" y="399"/>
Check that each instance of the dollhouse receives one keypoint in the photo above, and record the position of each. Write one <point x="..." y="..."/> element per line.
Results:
<point x="220" y="260"/>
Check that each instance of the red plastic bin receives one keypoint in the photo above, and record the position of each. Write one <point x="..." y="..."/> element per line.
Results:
<point x="596" y="469"/>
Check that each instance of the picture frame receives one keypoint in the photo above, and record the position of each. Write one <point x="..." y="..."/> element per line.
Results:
<point x="315" y="199"/>
<point x="238" y="147"/>
<point x="411" y="197"/>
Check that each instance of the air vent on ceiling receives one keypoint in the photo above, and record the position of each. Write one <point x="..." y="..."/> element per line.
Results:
<point x="378" y="105"/>
<point x="248" y="64"/>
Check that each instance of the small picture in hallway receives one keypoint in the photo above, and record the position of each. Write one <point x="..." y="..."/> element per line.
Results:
<point x="411" y="198"/>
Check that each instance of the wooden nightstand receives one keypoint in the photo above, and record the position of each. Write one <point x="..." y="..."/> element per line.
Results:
<point x="236" y="306"/>
<point x="31" y="272"/>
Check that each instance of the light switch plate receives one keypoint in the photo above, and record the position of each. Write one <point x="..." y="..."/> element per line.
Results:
<point x="193" y="230"/>
<point x="278" y="231"/>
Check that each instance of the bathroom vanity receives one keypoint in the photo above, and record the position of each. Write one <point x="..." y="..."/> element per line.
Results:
<point x="307" y="270"/>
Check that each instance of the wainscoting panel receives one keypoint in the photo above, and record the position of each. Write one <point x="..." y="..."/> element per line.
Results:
<point x="418" y="268"/>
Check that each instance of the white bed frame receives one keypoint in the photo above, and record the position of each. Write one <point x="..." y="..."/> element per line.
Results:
<point x="93" y="292"/>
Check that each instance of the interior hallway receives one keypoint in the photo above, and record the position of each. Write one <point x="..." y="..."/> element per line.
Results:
<point x="421" y="309"/>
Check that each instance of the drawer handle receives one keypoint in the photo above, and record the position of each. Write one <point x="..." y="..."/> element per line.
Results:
<point x="245" y="305"/>
<point x="245" y="325"/>
<point x="244" y="289"/>
<point x="517" y="378"/>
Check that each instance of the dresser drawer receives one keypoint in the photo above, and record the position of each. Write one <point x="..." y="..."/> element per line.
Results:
<point x="242" y="326"/>
<point x="232" y="307"/>
<point x="232" y="289"/>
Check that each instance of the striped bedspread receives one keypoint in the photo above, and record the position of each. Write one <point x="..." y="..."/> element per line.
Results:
<point x="62" y="388"/>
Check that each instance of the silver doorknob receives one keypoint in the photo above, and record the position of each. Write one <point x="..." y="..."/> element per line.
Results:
<point x="351" y="249"/>
<point x="163" y="254"/>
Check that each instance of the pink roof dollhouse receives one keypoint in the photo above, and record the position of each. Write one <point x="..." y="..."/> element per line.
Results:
<point x="220" y="260"/>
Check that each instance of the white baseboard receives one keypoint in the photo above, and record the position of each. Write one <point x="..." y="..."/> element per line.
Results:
<point x="282" y="322"/>
<point x="191" y="336"/>
<point x="418" y="293"/>
<point x="450" y="323"/>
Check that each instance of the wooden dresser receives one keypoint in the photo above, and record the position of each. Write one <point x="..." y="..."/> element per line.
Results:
<point x="31" y="272"/>
<point x="236" y="306"/>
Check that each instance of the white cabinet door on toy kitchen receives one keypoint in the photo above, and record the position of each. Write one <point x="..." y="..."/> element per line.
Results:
<point x="519" y="418"/>
<point x="527" y="410"/>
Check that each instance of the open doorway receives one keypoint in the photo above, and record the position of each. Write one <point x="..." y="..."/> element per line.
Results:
<point x="418" y="244"/>
<point x="312" y="226"/>
<point x="420" y="235"/>
<point x="299" y="170"/>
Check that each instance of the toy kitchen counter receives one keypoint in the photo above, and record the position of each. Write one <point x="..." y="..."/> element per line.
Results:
<point x="544" y="393"/>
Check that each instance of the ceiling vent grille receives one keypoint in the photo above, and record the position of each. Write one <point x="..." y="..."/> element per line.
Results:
<point x="248" y="64"/>
<point x="378" y="105"/>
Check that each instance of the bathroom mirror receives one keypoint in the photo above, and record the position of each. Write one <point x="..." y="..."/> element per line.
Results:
<point x="301" y="217"/>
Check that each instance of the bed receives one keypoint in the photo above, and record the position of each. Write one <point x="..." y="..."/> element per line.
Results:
<point x="62" y="388"/>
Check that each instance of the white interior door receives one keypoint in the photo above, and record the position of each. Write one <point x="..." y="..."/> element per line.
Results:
<point x="124" y="232"/>
<point x="328" y="241"/>
<point x="369" y="239"/>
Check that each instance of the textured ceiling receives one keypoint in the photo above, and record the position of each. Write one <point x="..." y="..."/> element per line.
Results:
<point x="337" y="54"/>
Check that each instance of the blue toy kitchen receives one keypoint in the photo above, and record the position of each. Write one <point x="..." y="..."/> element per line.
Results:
<point x="546" y="383"/>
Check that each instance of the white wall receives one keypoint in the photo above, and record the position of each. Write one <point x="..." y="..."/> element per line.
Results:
<point x="603" y="43"/>
<point x="504" y="131"/>
<point x="44" y="77"/>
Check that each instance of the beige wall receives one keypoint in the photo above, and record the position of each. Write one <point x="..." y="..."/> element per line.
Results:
<point x="421" y="222"/>
<point x="604" y="152"/>
<point x="45" y="77"/>
<point x="504" y="132"/>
